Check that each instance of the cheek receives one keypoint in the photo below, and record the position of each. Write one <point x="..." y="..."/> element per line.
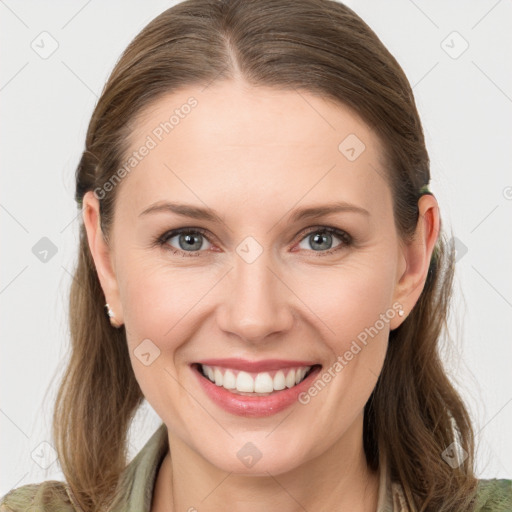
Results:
<point x="156" y="298"/>
<point x="353" y="313"/>
<point x="157" y="305"/>
<point x="349" y="298"/>
<point x="160" y="307"/>
<point x="355" y="317"/>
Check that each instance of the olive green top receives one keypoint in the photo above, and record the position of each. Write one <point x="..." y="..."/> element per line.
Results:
<point x="138" y="480"/>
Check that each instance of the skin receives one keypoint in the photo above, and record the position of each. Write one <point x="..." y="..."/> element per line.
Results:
<point x="254" y="155"/>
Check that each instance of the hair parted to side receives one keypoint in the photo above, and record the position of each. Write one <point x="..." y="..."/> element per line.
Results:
<point x="319" y="46"/>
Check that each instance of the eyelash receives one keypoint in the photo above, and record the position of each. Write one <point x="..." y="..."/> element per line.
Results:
<point x="346" y="239"/>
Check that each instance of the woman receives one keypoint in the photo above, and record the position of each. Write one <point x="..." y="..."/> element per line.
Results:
<point x="258" y="226"/>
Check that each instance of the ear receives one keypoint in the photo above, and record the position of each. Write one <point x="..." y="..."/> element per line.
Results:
<point x="417" y="254"/>
<point x="102" y="255"/>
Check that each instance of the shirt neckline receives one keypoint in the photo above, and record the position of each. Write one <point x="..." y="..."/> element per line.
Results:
<point x="139" y="478"/>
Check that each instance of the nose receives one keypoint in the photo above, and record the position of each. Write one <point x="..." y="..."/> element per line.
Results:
<point x="257" y="303"/>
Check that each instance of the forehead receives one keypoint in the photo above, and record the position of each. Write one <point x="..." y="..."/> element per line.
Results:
<point x="235" y="144"/>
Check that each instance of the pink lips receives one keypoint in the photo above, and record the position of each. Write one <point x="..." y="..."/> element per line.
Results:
<point x="254" y="406"/>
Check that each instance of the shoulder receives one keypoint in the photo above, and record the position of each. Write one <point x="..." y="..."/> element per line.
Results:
<point x="50" y="496"/>
<point x="494" y="495"/>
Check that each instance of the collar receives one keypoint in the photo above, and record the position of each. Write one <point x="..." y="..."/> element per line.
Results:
<point x="138" y="480"/>
<point x="139" y="477"/>
<point x="391" y="495"/>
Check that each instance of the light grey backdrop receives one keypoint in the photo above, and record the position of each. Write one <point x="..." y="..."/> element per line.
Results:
<point x="56" y="57"/>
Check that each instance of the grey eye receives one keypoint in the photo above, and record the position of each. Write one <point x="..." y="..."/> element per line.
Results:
<point x="188" y="241"/>
<point x="319" y="240"/>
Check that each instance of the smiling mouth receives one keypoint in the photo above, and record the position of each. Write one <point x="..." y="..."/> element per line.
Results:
<point x="255" y="383"/>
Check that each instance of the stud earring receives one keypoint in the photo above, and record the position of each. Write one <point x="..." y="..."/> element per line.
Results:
<point x="401" y="312"/>
<point x="111" y="316"/>
<point x="110" y="313"/>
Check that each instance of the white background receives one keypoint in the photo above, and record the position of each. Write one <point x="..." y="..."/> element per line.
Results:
<point x="46" y="104"/>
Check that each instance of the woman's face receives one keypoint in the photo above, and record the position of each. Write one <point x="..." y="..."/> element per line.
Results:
<point x="255" y="280"/>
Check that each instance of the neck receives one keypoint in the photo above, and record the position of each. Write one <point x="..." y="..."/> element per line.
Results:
<point x="338" y="479"/>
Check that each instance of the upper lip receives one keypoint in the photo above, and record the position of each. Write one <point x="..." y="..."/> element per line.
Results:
<point x="256" y="366"/>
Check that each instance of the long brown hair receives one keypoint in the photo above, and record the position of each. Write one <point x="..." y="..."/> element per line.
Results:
<point x="414" y="413"/>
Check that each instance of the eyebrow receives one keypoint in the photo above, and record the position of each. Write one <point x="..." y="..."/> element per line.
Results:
<point x="198" y="212"/>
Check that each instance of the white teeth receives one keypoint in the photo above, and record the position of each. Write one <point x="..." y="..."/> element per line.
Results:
<point x="218" y="376"/>
<point x="229" y="380"/>
<point x="290" y="379"/>
<point x="262" y="382"/>
<point x="299" y="375"/>
<point x="244" y="382"/>
<point x="279" y="381"/>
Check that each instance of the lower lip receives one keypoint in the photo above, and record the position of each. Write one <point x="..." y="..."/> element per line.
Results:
<point x="253" y="406"/>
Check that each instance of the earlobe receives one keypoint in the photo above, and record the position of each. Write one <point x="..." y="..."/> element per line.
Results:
<point x="417" y="255"/>
<point x="102" y="254"/>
